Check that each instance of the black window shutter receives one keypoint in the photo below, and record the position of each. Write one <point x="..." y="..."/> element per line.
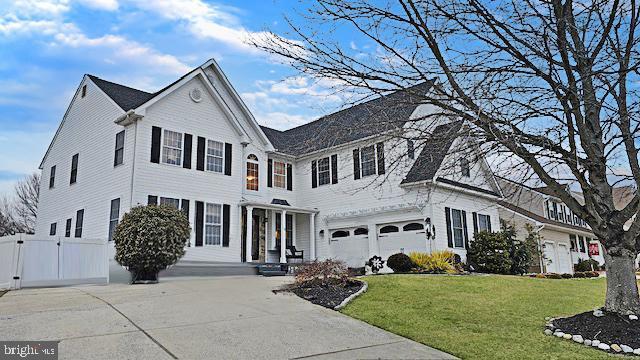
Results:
<point x="314" y="174"/>
<point x="489" y="223"/>
<point x="447" y="213"/>
<point x="226" y="220"/>
<point x="227" y="159"/>
<point x="185" y="207"/>
<point x="356" y="164"/>
<point x="200" y="153"/>
<point x="186" y="161"/>
<point x="289" y="177"/>
<point x="155" y="144"/>
<point x="152" y="200"/>
<point x="334" y="169"/>
<point x="270" y="173"/>
<point x="199" y="222"/>
<point x="464" y="229"/>
<point x="380" y="148"/>
<point x="475" y="223"/>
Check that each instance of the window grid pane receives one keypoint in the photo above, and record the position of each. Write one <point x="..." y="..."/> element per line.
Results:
<point x="456" y="224"/>
<point x="213" y="229"/>
<point x="215" y="152"/>
<point x="483" y="222"/>
<point x="174" y="203"/>
<point x="368" y="160"/>
<point x="252" y="176"/>
<point x="172" y="148"/>
<point x="324" y="174"/>
<point x="279" y="174"/>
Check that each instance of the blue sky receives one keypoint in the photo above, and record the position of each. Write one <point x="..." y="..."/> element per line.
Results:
<point x="47" y="45"/>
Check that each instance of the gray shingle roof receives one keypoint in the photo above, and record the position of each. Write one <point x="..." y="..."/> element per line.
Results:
<point x="433" y="152"/>
<point x="127" y="98"/>
<point x="385" y="113"/>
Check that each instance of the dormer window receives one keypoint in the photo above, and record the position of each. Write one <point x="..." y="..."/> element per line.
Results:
<point x="465" y="169"/>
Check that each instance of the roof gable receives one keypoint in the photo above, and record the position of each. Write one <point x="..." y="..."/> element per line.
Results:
<point x="374" y="117"/>
<point x="433" y="152"/>
<point x="126" y="97"/>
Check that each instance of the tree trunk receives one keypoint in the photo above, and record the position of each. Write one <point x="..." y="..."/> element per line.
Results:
<point x="622" y="287"/>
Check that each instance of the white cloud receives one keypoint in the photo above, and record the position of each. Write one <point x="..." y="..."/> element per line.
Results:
<point x="282" y="121"/>
<point x="108" y="5"/>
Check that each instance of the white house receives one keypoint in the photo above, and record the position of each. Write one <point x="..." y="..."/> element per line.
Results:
<point x="565" y="238"/>
<point x="349" y="185"/>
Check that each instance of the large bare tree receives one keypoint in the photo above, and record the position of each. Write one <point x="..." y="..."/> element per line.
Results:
<point x="551" y="83"/>
<point x="27" y="191"/>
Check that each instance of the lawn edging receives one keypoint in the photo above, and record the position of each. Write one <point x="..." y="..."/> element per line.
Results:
<point x="551" y="329"/>
<point x="352" y="296"/>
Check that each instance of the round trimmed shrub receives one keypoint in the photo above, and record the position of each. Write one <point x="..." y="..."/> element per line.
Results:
<point x="149" y="239"/>
<point x="587" y="265"/>
<point x="489" y="253"/>
<point x="400" y="262"/>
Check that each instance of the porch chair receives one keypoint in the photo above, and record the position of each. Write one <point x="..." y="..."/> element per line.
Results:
<point x="293" y="253"/>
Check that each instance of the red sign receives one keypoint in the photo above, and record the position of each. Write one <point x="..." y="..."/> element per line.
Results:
<point x="594" y="249"/>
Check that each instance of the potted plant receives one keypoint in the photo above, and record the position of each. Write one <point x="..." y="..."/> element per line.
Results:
<point x="149" y="239"/>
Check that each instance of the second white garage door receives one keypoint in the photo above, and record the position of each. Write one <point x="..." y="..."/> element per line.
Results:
<point x="403" y="237"/>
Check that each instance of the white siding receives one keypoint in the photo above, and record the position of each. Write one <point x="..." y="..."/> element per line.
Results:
<point x="87" y="130"/>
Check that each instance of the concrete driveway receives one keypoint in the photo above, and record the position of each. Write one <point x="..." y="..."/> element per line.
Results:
<point x="203" y="318"/>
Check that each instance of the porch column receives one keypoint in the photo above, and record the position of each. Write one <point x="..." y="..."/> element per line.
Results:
<point x="283" y="237"/>
<point x="373" y="239"/>
<point x="312" y="236"/>
<point x="249" y="241"/>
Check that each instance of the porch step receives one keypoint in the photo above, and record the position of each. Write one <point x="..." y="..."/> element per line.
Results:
<point x="273" y="269"/>
<point x="199" y="268"/>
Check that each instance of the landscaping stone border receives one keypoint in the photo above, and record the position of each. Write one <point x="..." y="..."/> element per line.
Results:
<point x="352" y="296"/>
<point x="622" y="349"/>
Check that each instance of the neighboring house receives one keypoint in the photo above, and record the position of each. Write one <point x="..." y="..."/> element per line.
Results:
<point x="565" y="238"/>
<point x="348" y="185"/>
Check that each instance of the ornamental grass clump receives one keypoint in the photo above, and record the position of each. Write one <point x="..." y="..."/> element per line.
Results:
<point x="322" y="273"/>
<point x="149" y="239"/>
<point x="438" y="262"/>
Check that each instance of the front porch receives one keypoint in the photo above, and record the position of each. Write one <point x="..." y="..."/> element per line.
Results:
<point x="265" y="227"/>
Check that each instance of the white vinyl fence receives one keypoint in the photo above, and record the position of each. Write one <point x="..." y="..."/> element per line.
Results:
<point x="29" y="262"/>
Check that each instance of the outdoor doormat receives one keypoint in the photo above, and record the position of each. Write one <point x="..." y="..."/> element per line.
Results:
<point x="600" y="329"/>
<point x="329" y="296"/>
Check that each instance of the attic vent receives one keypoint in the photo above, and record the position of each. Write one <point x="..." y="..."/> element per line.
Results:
<point x="195" y="94"/>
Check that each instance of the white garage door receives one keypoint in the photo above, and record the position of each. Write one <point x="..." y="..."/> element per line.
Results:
<point x="558" y="258"/>
<point x="564" y="259"/>
<point x="350" y="246"/>
<point x="401" y="238"/>
<point x="550" y="257"/>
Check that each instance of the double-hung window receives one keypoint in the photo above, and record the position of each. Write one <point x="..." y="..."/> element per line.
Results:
<point x="215" y="156"/>
<point x="324" y="171"/>
<point x="213" y="225"/>
<point x="456" y="228"/>
<point x="253" y="178"/>
<point x="172" y="148"/>
<point x="465" y="168"/>
<point x="280" y="174"/>
<point x="118" y="157"/>
<point x="483" y="222"/>
<point x="52" y="177"/>
<point x="174" y="203"/>
<point x="79" y="222"/>
<point x="368" y="160"/>
<point x="114" y="217"/>
<point x="74" y="169"/>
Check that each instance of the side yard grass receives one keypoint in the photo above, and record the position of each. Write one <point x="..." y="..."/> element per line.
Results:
<point x="480" y="317"/>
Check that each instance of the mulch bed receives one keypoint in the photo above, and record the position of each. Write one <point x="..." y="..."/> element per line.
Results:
<point x="328" y="296"/>
<point x="610" y="328"/>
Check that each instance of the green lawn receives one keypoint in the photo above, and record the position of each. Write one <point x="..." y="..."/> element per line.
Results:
<point x="480" y="317"/>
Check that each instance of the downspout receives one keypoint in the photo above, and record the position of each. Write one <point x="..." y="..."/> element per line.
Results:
<point x="540" y="252"/>
<point x="130" y="117"/>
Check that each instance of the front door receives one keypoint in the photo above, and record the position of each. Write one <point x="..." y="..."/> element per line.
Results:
<point x="255" y="242"/>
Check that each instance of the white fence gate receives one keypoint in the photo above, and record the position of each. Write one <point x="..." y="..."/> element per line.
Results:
<point x="29" y="262"/>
